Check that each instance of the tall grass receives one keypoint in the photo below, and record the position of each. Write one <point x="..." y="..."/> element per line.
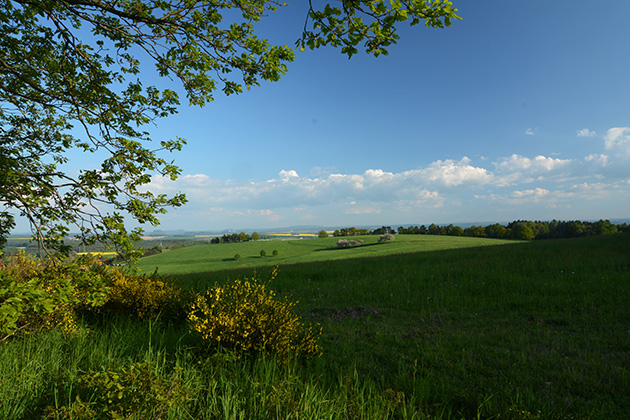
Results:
<point x="522" y="331"/>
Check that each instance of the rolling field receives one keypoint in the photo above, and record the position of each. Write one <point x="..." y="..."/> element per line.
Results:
<point x="528" y="331"/>
<point x="216" y="257"/>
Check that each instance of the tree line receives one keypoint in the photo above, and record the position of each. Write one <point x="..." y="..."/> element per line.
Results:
<point x="235" y="237"/>
<point x="519" y="229"/>
<point x="352" y="231"/>
<point x="523" y="229"/>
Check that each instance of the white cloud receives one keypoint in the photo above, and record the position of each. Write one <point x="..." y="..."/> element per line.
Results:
<point x="535" y="194"/>
<point x="585" y="132"/>
<point x="451" y="173"/>
<point x="530" y="132"/>
<point x="618" y="139"/>
<point x="364" y="210"/>
<point x="518" y="169"/>
<point x="594" y="191"/>
<point x="597" y="158"/>
<point x="286" y="175"/>
<point x="539" y="163"/>
<point x="514" y="185"/>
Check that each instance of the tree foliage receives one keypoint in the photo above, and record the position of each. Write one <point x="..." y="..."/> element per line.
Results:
<point x="73" y="79"/>
<point x="523" y="229"/>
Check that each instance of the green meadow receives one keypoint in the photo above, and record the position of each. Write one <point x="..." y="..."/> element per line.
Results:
<point x="536" y="330"/>
<point x="216" y="257"/>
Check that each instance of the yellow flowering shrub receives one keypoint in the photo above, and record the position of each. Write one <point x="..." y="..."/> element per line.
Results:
<point x="143" y="295"/>
<point x="246" y="316"/>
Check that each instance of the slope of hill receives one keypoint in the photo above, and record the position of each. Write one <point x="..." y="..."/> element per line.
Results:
<point x="222" y="256"/>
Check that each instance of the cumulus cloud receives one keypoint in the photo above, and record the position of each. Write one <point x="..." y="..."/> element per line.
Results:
<point x="451" y="173"/>
<point x="618" y="139"/>
<point x="518" y="169"/>
<point x="425" y="186"/>
<point x="530" y="132"/>
<point x="432" y="186"/>
<point x="597" y="158"/>
<point x="438" y="188"/>
<point x="539" y="163"/>
<point x="286" y="175"/>
<point x="535" y="194"/>
<point x="585" y="132"/>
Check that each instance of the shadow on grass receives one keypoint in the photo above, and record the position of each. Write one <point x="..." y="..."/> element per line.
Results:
<point x="335" y="248"/>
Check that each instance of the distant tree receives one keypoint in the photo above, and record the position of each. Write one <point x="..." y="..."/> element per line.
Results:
<point x="275" y="253"/>
<point x="237" y="257"/>
<point x="604" y="227"/>
<point x="243" y="237"/>
<point x="496" y="230"/>
<point x="384" y="230"/>
<point x="255" y="236"/>
<point x="524" y="231"/>
<point x="452" y="230"/>
<point x="475" y="231"/>
<point x="215" y="240"/>
<point x="322" y="234"/>
<point x="263" y="253"/>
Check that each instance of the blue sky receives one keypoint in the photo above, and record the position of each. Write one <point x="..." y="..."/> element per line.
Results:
<point x="521" y="110"/>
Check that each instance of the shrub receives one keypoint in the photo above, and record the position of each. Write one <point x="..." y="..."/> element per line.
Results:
<point x="386" y="238"/>
<point x="237" y="257"/>
<point x="144" y="296"/>
<point x="275" y="252"/>
<point x="124" y="393"/>
<point x="245" y="316"/>
<point x="38" y="294"/>
<point x="263" y="253"/>
<point x="349" y="243"/>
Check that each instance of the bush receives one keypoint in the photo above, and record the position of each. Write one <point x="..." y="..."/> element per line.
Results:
<point x="275" y="252"/>
<point x="237" y="257"/>
<point x="144" y="296"/>
<point x="263" y="253"/>
<point x="245" y="316"/>
<point x="124" y="393"/>
<point x="36" y="294"/>
<point x="349" y="243"/>
<point x="386" y="238"/>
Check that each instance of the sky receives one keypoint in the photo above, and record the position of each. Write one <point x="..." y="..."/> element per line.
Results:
<point x="521" y="110"/>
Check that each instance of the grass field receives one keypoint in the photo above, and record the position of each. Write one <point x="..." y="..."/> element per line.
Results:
<point x="215" y="257"/>
<point x="537" y="330"/>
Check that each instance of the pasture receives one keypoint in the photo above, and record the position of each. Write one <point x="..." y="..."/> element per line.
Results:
<point x="537" y="330"/>
<point x="216" y="257"/>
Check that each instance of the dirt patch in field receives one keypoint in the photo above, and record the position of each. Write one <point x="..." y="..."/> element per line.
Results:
<point x="338" y="314"/>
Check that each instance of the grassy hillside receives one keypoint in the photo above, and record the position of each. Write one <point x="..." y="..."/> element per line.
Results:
<point x="531" y="330"/>
<point x="204" y="258"/>
<point x="537" y="330"/>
